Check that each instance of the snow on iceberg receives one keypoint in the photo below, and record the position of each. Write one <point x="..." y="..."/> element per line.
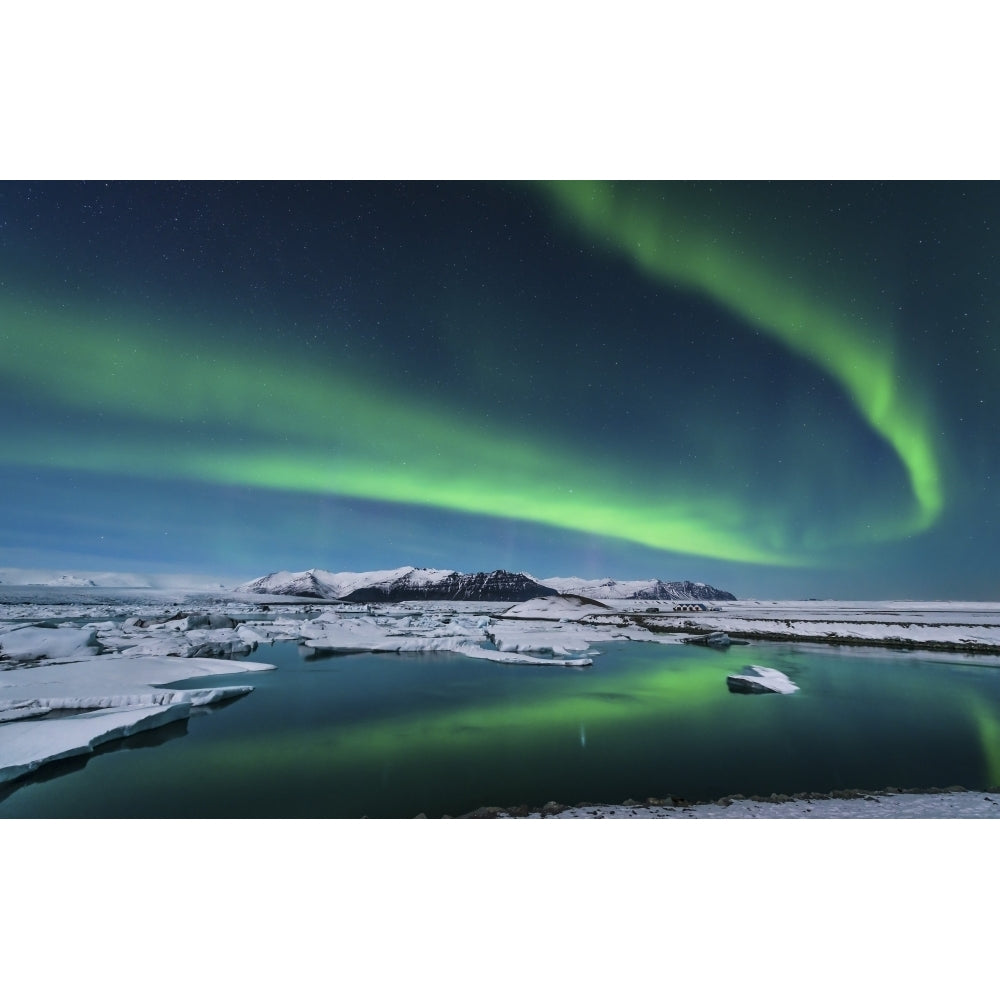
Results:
<point x="754" y="679"/>
<point x="428" y="633"/>
<point x="551" y="640"/>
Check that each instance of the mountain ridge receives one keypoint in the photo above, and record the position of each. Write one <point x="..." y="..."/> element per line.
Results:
<point x="409" y="583"/>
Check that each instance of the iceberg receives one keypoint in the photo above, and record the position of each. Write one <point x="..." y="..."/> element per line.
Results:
<point x="468" y="635"/>
<point x="754" y="679"/>
<point x="30" y="642"/>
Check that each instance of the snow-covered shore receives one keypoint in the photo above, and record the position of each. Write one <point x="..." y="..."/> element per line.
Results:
<point x="873" y="805"/>
<point x="950" y="625"/>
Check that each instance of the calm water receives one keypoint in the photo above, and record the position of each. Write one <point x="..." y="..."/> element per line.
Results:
<point x="395" y="735"/>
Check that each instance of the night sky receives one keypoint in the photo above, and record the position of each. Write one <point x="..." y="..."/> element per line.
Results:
<point x="783" y="389"/>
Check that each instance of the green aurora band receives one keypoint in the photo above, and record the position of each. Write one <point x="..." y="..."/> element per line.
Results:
<point x="664" y="245"/>
<point x="257" y="419"/>
<point x="252" y="417"/>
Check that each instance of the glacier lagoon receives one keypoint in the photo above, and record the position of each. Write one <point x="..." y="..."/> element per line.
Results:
<point x="394" y="735"/>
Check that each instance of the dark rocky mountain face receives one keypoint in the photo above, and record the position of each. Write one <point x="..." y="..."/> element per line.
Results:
<point x="500" y="585"/>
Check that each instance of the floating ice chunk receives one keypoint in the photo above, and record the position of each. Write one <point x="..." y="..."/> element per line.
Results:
<point x="753" y="679"/>
<point x="546" y="639"/>
<point x="470" y="646"/>
<point x="207" y="622"/>
<point x="158" y="645"/>
<point x="254" y="636"/>
<point x="540" y="645"/>
<point x="33" y="643"/>
<point x="717" y="640"/>
<point x="208" y="696"/>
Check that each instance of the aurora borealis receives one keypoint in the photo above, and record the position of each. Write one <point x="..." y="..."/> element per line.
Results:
<point x="782" y="389"/>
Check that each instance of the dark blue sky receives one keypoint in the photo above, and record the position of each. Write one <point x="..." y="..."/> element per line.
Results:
<point x="783" y="389"/>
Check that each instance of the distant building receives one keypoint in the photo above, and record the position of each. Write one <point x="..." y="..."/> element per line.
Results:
<point x="690" y="607"/>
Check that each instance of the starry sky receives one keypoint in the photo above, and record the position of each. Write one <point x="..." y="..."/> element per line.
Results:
<point x="784" y="389"/>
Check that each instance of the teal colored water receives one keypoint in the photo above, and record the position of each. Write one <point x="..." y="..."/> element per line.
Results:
<point x="395" y="735"/>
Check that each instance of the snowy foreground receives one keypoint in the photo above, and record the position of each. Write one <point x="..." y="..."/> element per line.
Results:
<point x="877" y="805"/>
<point x="80" y="667"/>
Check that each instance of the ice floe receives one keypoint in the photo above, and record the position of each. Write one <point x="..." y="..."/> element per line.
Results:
<point x="468" y="635"/>
<point x="28" y="745"/>
<point x="114" y="695"/>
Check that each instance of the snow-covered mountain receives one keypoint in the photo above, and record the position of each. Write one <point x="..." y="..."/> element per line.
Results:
<point x="403" y="584"/>
<point x="409" y="584"/>
<point x="654" y="590"/>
